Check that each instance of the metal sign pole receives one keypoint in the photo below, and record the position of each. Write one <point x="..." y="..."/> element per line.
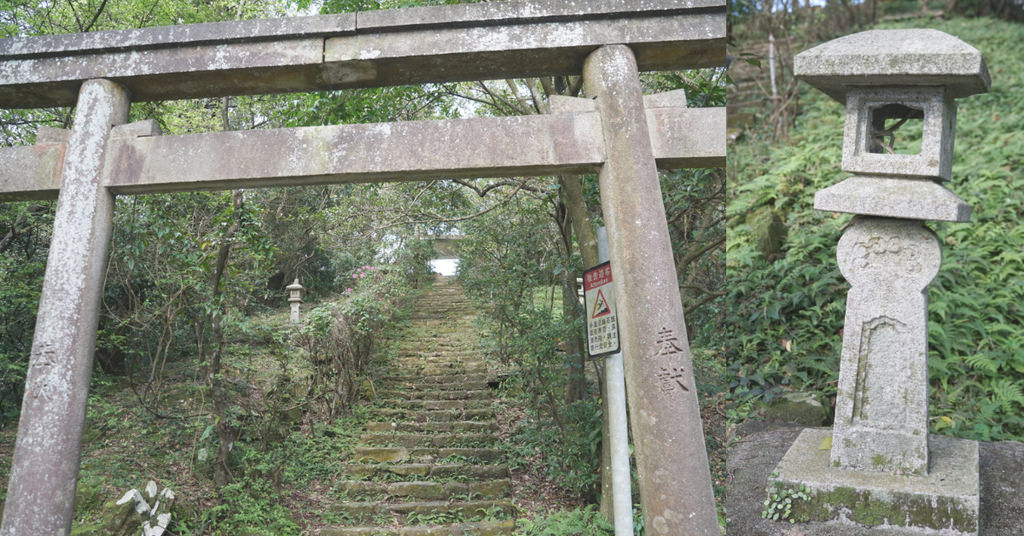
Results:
<point x="618" y="431"/>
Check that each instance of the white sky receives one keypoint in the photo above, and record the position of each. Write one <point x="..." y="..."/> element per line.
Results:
<point x="446" y="267"/>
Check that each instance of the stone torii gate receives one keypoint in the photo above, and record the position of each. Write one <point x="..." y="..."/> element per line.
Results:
<point x="621" y="134"/>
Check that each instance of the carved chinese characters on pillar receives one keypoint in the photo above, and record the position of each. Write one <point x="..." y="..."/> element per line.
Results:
<point x="670" y="378"/>
<point x="41" y="368"/>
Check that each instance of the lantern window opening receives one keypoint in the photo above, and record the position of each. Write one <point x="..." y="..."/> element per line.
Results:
<point x="895" y="128"/>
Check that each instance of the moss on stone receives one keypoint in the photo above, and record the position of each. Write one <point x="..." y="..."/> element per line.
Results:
<point x="803" y="412"/>
<point x="901" y="509"/>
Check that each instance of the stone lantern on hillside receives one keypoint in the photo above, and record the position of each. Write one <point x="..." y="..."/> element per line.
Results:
<point x="878" y="466"/>
<point x="295" y="299"/>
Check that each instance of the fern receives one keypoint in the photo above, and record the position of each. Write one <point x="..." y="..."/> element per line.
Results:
<point x="982" y="361"/>
<point x="1005" y="392"/>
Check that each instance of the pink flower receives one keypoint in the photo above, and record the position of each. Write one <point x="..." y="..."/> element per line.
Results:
<point x="348" y="290"/>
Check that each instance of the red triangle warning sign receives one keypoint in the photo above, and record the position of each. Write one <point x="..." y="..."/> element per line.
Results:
<point x="600" y="306"/>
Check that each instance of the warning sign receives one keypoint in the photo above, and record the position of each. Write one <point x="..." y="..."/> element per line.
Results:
<point x="599" y="300"/>
<point x="600" y="306"/>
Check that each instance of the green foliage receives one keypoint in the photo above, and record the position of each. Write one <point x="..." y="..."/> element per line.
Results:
<point x="586" y="520"/>
<point x="779" y="504"/>
<point x="251" y="507"/>
<point x="414" y="260"/>
<point x="505" y="255"/>
<point x="569" y="453"/>
<point x="786" y="314"/>
<point x="24" y="244"/>
<point x="339" y="338"/>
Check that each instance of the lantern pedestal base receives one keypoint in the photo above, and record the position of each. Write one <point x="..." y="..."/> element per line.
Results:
<point x="943" y="502"/>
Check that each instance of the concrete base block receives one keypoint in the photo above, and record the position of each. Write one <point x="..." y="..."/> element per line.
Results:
<point x="944" y="502"/>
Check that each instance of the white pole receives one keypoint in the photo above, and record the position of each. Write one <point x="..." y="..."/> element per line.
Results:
<point x="618" y="433"/>
<point x="771" y="67"/>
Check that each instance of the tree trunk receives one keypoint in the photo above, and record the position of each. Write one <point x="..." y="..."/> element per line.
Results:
<point x="226" y="433"/>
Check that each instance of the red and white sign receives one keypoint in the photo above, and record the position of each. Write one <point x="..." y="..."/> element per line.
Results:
<point x="599" y="301"/>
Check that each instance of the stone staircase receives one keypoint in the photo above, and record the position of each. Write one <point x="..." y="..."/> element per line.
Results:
<point x="429" y="463"/>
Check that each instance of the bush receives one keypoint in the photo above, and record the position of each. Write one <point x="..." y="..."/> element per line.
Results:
<point x="339" y="337"/>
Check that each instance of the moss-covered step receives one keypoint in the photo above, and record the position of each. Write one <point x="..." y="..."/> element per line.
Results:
<point x="425" y="490"/>
<point x="447" y="378"/>
<point x="421" y="427"/>
<point x="447" y="386"/>
<point x="427" y="455"/>
<point x="446" y="369"/>
<point x="401" y="403"/>
<point x="435" y="415"/>
<point x="460" y="394"/>
<point x="479" y="528"/>
<point x="381" y="471"/>
<point x="425" y="511"/>
<point x="439" y="439"/>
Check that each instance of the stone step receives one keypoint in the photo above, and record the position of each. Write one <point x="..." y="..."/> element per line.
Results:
<point x="478" y="528"/>
<point x="445" y="360"/>
<point x="427" y="470"/>
<point x="430" y="369"/>
<point x="401" y="403"/>
<point x="438" y="340"/>
<point x="365" y="490"/>
<point x="428" y="455"/>
<point x="448" y="426"/>
<point x="449" y="361"/>
<point x="438" y="440"/>
<point x="477" y="394"/>
<point x="451" y="386"/>
<point x="417" y="366"/>
<point x="363" y="512"/>
<point x="442" y="354"/>
<point x="436" y="415"/>
<point x="433" y="315"/>
<point x="440" y="378"/>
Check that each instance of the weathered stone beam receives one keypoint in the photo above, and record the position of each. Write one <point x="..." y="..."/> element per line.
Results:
<point x="687" y="137"/>
<point x="389" y="47"/>
<point x="415" y="150"/>
<point x="31" y="172"/>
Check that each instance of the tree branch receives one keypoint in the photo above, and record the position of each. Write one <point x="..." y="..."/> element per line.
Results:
<point x="691" y="256"/>
<point x="95" y="17"/>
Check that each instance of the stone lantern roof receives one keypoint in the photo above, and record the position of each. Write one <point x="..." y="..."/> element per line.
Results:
<point x="894" y="58"/>
<point x="295" y="292"/>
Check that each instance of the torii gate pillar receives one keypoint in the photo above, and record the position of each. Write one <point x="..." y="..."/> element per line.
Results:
<point x="675" y="482"/>
<point x="44" y="473"/>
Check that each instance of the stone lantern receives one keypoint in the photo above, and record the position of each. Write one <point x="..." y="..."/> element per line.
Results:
<point x="899" y="88"/>
<point x="295" y="299"/>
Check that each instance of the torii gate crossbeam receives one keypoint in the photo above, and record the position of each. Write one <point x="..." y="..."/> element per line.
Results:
<point x="616" y="133"/>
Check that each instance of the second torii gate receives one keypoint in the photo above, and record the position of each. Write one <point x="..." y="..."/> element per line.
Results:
<point x="621" y="134"/>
